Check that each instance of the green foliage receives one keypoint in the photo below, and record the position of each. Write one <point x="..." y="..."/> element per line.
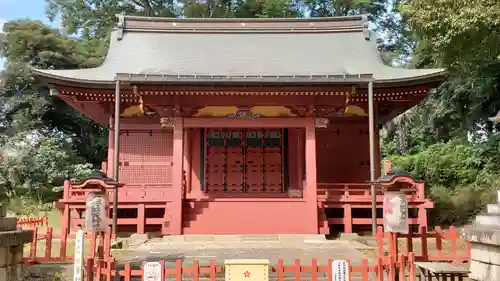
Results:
<point x="460" y="177"/>
<point x="43" y="141"/>
<point x="33" y="164"/>
<point x="461" y="34"/>
<point x="449" y="164"/>
<point x="447" y="140"/>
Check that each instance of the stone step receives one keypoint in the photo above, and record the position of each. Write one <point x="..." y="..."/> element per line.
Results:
<point x="488" y="220"/>
<point x="493" y="209"/>
<point x="8" y="224"/>
<point x="371" y="277"/>
<point x="244" y="238"/>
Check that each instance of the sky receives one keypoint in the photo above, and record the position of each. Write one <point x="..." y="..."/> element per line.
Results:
<point x="19" y="9"/>
<point x="22" y="9"/>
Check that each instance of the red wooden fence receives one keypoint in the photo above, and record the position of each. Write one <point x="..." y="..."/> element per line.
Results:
<point x="403" y="270"/>
<point x="390" y="259"/>
<point x="446" y="246"/>
<point x="32" y="222"/>
<point x="49" y="247"/>
<point x="47" y="241"/>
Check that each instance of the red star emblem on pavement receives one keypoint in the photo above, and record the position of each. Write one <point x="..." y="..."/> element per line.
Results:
<point x="247" y="274"/>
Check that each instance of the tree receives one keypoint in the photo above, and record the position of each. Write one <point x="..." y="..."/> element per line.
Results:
<point x="27" y="106"/>
<point x="39" y="148"/>
<point x="33" y="164"/>
<point x="463" y="35"/>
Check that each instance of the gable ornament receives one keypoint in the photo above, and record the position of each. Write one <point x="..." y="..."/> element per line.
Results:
<point x="321" y="122"/>
<point x="166" y="122"/>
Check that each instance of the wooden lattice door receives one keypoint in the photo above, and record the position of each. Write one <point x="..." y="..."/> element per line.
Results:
<point x="235" y="178"/>
<point x="244" y="160"/>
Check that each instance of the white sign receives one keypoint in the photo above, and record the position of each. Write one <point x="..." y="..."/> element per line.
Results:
<point x="78" y="261"/>
<point x="340" y="270"/>
<point x="95" y="213"/>
<point x="395" y="208"/>
<point x="152" y="271"/>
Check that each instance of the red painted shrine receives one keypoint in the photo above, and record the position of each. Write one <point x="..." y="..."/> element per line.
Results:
<point x="233" y="126"/>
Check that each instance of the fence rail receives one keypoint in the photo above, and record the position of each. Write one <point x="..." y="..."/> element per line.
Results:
<point x="381" y="270"/>
<point x="32" y="222"/>
<point x="49" y="244"/>
<point x="449" y="247"/>
<point x="395" y="259"/>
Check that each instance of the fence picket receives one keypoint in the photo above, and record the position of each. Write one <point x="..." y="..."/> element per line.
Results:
<point x="391" y="263"/>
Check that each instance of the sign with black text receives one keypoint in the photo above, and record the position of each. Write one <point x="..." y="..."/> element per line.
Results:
<point x="95" y="213"/>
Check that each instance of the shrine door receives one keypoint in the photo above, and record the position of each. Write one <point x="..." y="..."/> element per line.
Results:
<point x="244" y="160"/>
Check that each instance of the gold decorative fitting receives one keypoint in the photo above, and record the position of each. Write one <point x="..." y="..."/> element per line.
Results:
<point x="321" y="122"/>
<point x="166" y="122"/>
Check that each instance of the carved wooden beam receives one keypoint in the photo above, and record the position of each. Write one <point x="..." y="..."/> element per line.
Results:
<point x="329" y="111"/>
<point x="166" y="122"/>
<point x="303" y="111"/>
<point x="321" y="122"/>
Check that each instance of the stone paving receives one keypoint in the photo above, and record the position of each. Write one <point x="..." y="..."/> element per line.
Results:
<point x="305" y="251"/>
<point x="168" y="249"/>
<point x="205" y="251"/>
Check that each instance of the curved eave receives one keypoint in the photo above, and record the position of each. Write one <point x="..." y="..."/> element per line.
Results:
<point x="50" y="78"/>
<point x="436" y="77"/>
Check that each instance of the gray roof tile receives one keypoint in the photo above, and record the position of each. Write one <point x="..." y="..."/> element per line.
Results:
<point x="281" y="48"/>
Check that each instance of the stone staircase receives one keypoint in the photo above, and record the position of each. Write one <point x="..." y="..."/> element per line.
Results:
<point x="492" y="218"/>
<point x="484" y="236"/>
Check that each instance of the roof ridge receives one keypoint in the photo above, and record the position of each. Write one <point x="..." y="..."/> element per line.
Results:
<point x="357" y="23"/>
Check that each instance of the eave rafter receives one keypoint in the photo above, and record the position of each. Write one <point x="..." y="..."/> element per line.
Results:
<point x="129" y="96"/>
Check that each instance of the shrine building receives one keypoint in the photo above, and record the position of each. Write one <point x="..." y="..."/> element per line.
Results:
<point x="241" y="126"/>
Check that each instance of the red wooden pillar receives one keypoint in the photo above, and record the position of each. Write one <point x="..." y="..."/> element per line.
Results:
<point x="187" y="161"/>
<point x="301" y="159"/>
<point x="347" y="218"/>
<point x="177" y="177"/>
<point x="141" y="218"/>
<point x="111" y="148"/>
<point x="311" y="182"/>
<point x="65" y="215"/>
<point x="422" y="216"/>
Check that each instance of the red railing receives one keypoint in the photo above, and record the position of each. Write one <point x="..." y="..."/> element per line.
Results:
<point x="49" y="244"/>
<point x="129" y="193"/>
<point x="404" y="267"/>
<point x="393" y="259"/>
<point x="345" y="192"/>
<point x="448" y="246"/>
<point x="49" y="247"/>
<point x="107" y="269"/>
<point x="32" y="222"/>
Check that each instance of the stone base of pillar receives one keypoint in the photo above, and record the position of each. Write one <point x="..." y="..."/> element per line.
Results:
<point x="485" y="245"/>
<point x="484" y="272"/>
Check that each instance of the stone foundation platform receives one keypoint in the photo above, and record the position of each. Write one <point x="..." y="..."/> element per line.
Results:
<point x="485" y="245"/>
<point x="11" y="247"/>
